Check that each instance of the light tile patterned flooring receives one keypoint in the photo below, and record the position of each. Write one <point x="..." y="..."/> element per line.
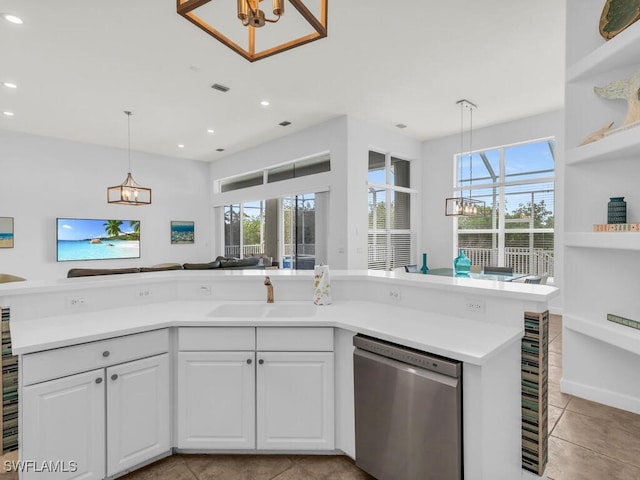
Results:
<point x="588" y="441"/>
<point x="251" y="467"/>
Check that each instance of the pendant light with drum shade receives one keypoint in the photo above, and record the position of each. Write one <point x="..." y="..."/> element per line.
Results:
<point x="465" y="206"/>
<point x="129" y="192"/>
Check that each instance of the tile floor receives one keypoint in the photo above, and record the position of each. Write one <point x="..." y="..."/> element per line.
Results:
<point x="588" y="441"/>
<point x="251" y="467"/>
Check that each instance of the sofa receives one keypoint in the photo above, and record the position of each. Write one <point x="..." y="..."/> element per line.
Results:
<point x="218" y="263"/>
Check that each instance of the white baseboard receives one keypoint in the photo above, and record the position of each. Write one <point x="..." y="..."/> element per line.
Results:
<point x="606" y="397"/>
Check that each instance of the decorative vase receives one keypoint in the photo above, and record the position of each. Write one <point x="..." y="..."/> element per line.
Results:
<point x="462" y="265"/>
<point x="424" y="270"/>
<point x="617" y="210"/>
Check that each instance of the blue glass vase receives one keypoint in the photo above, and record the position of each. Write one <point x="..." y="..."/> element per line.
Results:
<point x="424" y="270"/>
<point x="462" y="265"/>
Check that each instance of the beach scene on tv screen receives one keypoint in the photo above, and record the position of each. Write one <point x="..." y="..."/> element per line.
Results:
<point x="88" y="239"/>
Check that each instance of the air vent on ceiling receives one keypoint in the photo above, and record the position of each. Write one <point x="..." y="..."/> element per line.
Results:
<point x="401" y="125"/>
<point x="220" y="88"/>
<point x="219" y="149"/>
<point x="285" y="123"/>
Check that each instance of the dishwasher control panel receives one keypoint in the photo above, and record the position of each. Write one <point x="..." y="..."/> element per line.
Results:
<point x="408" y="355"/>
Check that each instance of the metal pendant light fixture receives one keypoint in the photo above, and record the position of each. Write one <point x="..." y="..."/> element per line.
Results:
<point x="129" y="192"/>
<point x="465" y="206"/>
<point x="302" y="28"/>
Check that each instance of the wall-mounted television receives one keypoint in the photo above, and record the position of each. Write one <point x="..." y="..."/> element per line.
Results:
<point x="92" y="239"/>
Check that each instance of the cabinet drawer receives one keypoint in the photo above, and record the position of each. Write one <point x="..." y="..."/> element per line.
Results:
<point x="216" y="338"/>
<point x="294" y="339"/>
<point x="60" y="362"/>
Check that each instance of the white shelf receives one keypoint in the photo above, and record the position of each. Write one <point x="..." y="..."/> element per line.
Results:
<point x="617" y="145"/>
<point x="605" y="240"/>
<point x="612" y="333"/>
<point x="621" y="51"/>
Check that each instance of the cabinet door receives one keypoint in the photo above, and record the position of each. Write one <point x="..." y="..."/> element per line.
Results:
<point x="63" y="422"/>
<point x="295" y="400"/>
<point x="138" y="413"/>
<point x="216" y="400"/>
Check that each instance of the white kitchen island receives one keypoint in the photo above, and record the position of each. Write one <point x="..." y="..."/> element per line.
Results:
<point x="128" y="328"/>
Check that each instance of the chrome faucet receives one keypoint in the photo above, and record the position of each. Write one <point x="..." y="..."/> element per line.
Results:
<point x="267" y="282"/>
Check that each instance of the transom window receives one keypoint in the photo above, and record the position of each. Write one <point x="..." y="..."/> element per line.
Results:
<point x="517" y="184"/>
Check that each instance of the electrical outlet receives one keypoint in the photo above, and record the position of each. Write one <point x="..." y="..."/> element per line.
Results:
<point x="475" y="306"/>
<point x="144" y="293"/>
<point x="76" y="302"/>
<point x="204" y="290"/>
<point x="395" y="294"/>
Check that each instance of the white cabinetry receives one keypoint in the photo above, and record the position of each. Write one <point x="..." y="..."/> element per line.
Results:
<point x="216" y="389"/>
<point x="64" y="420"/>
<point x="105" y="420"/>
<point x="600" y="268"/>
<point x="228" y="400"/>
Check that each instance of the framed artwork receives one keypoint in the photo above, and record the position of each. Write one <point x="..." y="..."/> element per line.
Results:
<point x="92" y="239"/>
<point x="6" y="232"/>
<point x="182" y="232"/>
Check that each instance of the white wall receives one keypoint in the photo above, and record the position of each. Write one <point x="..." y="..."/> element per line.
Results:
<point x="348" y="141"/>
<point x="437" y="181"/>
<point x="43" y="178"/>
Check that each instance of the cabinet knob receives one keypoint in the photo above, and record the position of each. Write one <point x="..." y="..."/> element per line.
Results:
<point x="249" y="361"/>
<point x="260" y="361"/>
<point x="99" y="380"/>
<point x="106" y="353"/>
<point x="114" y="376"/>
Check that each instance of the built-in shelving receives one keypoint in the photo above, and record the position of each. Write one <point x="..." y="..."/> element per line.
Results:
<point x="605" y="240"/>
<point x="597" y="275"/>
<point x="621" y="51"/>
<point x="615" y="146"/>
<point x="612" y="333"/>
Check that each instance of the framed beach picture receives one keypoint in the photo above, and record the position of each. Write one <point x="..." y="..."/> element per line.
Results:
<point x="182" y="232"/>
<point x="93" y="239"/>
<point x="6" y="232"/>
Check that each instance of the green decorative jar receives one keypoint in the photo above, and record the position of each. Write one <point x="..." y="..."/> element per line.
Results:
<point x="462" y="265"/>
<point x="617" y="210"/>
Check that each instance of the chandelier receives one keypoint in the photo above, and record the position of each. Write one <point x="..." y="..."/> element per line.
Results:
<point x="307" y="25"/>
<point x="462" y="206"/>
<point x="129" y="192"/>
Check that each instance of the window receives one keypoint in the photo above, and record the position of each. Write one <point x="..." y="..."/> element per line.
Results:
<point x="390" y="236"/>
<point x="517" y="184"/>
<point x="299" y="168"/>
<point x="282" y="228"/>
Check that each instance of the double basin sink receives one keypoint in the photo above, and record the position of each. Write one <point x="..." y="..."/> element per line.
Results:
<point x="266" y="310"/>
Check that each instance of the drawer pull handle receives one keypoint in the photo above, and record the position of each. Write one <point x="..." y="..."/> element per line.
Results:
<point x="248" y="361"/>
<point x="114" y="376"/>
<point x="261" y="361"/>
<point x="99" y="380"/>
<point x="106" y="353"/>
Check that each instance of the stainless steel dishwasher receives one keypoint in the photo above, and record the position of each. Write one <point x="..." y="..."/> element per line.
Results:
<point x="408" y="409"/>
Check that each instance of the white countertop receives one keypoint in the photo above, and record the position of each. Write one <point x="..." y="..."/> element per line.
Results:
<point x="466" y="340"/>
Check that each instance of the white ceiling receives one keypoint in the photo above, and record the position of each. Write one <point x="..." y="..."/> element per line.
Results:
<point x="79" y="64"/>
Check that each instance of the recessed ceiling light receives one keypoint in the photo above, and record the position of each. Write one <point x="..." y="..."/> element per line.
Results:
<point x="211" y="131"/>
<point x="401" y="125"/>
<point x="265" y="103"/>
<point x="286" y="123"/>
<point x="219" y="149"/>
<point x="8" y="114"/>
<point x="180" y="145"/>
<point x="9" y="85"/>
<point x="12" y="18"/>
